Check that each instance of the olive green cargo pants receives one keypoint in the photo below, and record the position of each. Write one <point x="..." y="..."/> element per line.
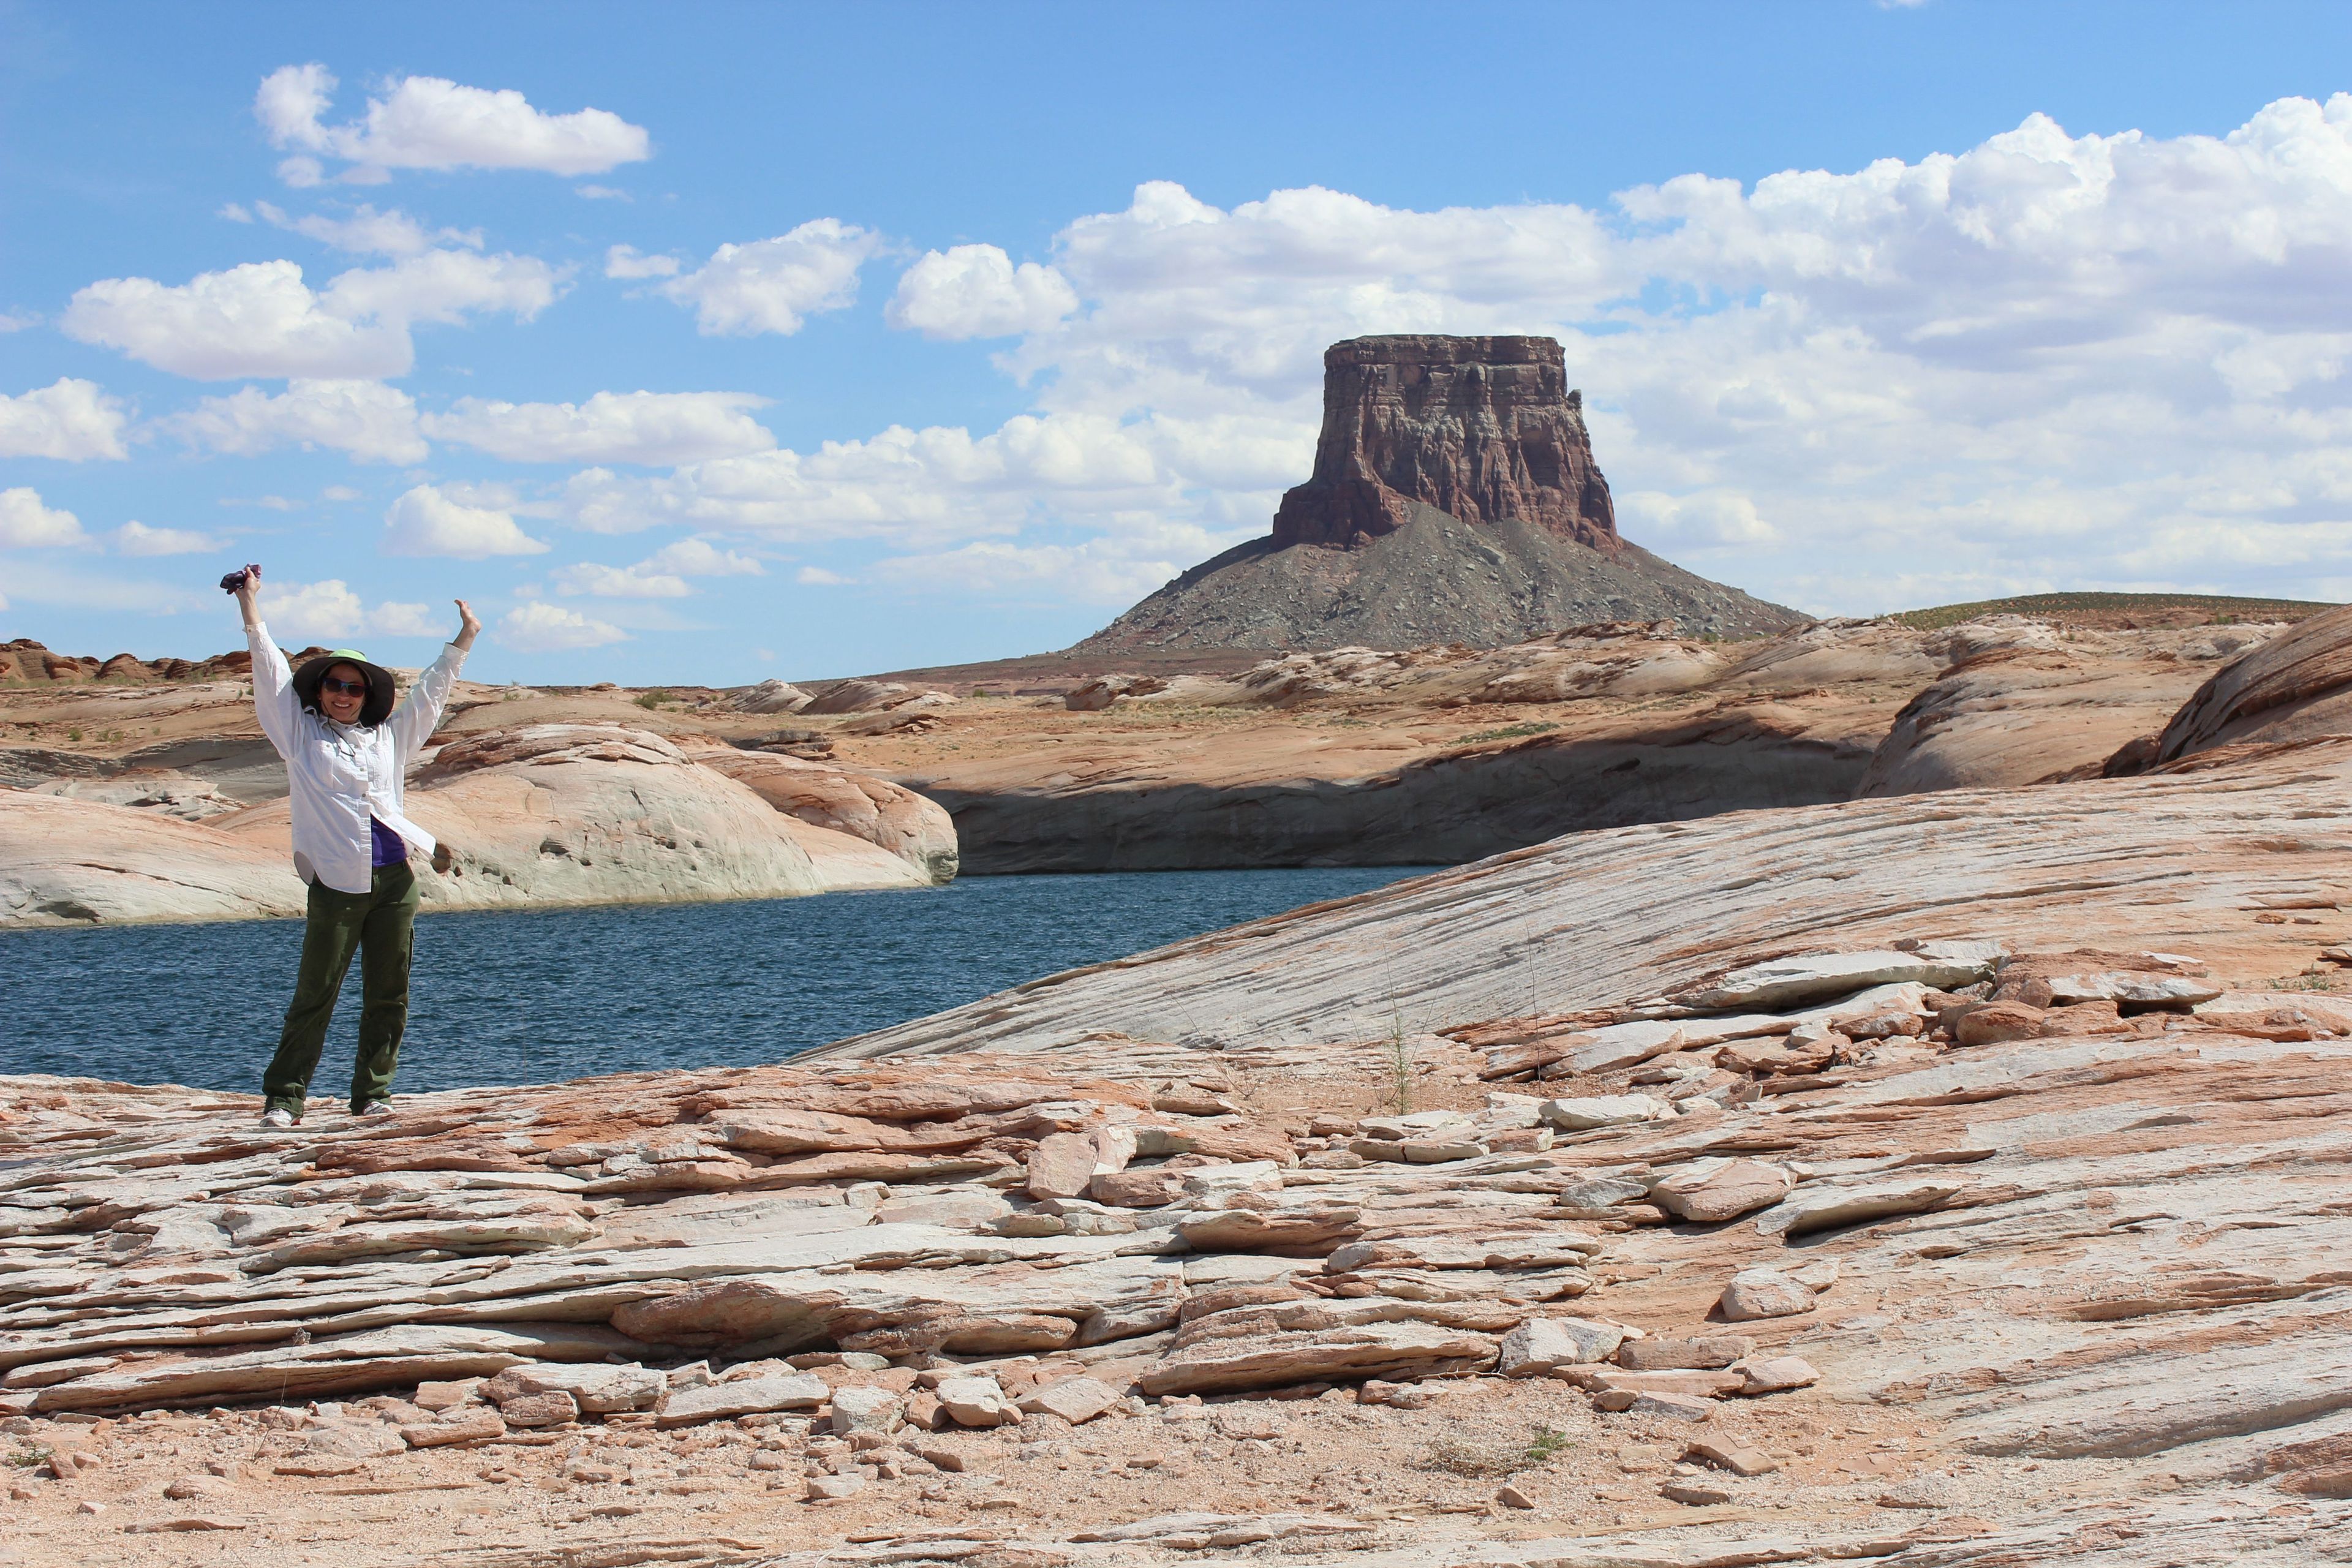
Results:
<point x="380" y="924"/>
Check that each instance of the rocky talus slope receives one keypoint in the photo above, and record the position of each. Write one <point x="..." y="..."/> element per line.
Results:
<point x="1454" y="499"/>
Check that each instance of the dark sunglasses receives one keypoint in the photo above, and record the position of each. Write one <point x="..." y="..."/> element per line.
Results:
<point x="347" y="688"/>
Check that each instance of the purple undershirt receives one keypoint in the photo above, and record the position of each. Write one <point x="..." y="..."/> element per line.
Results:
<point x="391" y="849"/>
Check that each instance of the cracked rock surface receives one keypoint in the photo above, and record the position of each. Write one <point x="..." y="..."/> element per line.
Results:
<point x="2049" y="1297"/>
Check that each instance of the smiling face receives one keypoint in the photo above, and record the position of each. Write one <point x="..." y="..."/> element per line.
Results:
<point x="343" y="692"/>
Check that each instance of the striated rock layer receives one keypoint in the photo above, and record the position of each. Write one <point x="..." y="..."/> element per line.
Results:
<point x="2209" y="859"/>
<point x="1959" y="1251"/>
<point x="1454" y="499"/>
<point x="1482" y="428"/>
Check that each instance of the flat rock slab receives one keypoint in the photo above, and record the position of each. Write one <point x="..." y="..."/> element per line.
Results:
<point x="1391" y="1350"/>
<point x="744" y="1397"/>
<point x="1788" y="981"/>
<point x="1832" y="1207"/>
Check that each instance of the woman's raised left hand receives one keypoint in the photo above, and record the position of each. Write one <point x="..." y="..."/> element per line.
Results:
<point x="468" y="625"/>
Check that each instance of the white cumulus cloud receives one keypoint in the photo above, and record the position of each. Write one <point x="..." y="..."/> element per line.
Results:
<point x="2053" y="358"/>
<point x="259" y="319"/>
<point x="975" y="292"/>
<point x="659" y="428"/>
<point x="328" y="611"/>
<point x="661" y="575"/>
<point x="365" y="231"/>
<point x="425" y="521"/>
<point x="371" y="421"/>
<point x="539" y="627"/>
<point x="69" y="420"/>
<point x="430" y="123"/>
<point x="917" y="487"/>
<point x="1111" y="570"/>
<point x="628" y="261"/>
<point x="25" y="523"/>
<point x="136" y="538"/>
<point x="774" y="285"/>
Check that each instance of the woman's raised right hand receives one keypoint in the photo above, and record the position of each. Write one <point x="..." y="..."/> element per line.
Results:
<point x="248" y="594"/>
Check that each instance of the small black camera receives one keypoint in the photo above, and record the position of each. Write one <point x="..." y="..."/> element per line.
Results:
<point x="235" y="580"/>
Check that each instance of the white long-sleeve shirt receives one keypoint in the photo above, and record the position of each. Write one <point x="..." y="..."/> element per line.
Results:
<point x="343" y="775"/>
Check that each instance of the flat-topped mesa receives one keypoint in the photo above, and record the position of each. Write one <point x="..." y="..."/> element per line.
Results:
<point x="1481" y="428"/>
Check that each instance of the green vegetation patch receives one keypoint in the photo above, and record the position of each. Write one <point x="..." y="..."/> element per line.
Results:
<point x="1509" y="733"/>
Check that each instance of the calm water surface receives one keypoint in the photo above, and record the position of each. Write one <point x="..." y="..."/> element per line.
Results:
<point x="500" y="997"/>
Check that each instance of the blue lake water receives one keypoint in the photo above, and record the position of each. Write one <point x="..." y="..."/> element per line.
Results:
<point x="529" y="998"/>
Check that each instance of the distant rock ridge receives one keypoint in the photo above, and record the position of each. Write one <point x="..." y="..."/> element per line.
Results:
<point x="1454" y="500"/>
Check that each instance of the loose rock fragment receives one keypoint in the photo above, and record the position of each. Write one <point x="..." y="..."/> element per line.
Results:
<point x="599" y="1390"/>
<point x="1776" y="1374"/>
<point x="1335" y="1355"/>
<point x="555" y="1408"/>
<point x="477" y="1423"/>
<point x="184" y="1488"/>
<point x="1714" y="1190"/>
<point x="1666" y="1355"/>
<point x="1832" y="1207"/>
<point x="1541" y="1345"/>
<point x="744" y="1396"/>
<point x="1995" y="1023"/>
<point x="1789" y="981"/>
<point x="1604" y="1111"/>
<point x="1755" y="1293"/>
<point x="1737" y="1458"/>
<point x="1076" y="1400"/>
<point x="832" y="1488"/>
<point x="858" y="1410"/>
<point x="1922" y="1492"/>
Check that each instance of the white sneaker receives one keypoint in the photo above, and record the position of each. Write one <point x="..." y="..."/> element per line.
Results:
<point x="278" y="1116"/>
<point x="375" y="1108"/>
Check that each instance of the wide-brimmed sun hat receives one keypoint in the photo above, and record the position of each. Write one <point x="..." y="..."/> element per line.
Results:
<point x="381" y="691"/>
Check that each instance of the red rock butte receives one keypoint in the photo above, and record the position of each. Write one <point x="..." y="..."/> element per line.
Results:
<point x="1454" y="500"/>
<point x="1481" y="428"/>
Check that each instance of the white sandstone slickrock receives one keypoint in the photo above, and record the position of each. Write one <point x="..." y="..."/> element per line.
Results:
<point x="750" y="1227"/>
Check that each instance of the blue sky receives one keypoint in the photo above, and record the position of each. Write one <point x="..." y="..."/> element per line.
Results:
<point x="958" y="328"/>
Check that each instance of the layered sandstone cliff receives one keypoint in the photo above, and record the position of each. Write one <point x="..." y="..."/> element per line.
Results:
<point x="1454" y="499"/>
<point x="1482" y="428"/>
